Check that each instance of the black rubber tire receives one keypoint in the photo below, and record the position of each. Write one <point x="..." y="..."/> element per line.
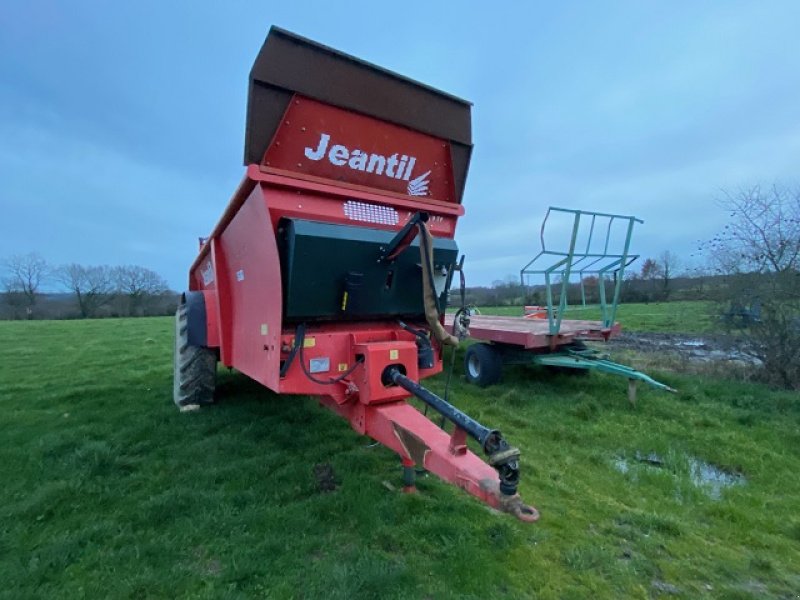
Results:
<point x="483" y="365"/>
<point x="195" y="368"/>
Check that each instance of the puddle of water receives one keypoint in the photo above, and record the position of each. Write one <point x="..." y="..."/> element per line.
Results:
<point x="621" y="465"/>
<point x="650" y="459"/>
<point x="712" y="478"/>
<point x="703" y="475"/>
<point x="694" y="343"/>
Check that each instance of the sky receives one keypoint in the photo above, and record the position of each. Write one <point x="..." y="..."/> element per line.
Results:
<point x="122" y="123"/>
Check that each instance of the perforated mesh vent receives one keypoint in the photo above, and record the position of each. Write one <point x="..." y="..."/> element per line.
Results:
<point x="370" y="213"/>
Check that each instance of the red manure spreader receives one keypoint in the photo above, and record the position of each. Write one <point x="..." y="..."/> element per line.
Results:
<point x="328" y="273"/>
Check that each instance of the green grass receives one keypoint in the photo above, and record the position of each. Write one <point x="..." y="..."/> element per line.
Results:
<point x="668" y="317"/>
<point x="109" y="492"/>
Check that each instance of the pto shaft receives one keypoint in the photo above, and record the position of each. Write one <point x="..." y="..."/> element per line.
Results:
<point x="503" y="457"/>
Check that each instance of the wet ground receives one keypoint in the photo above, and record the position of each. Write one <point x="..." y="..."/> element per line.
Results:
<point x="706" y="476"/>
<point x="690" y="347"/>
<point x="694" y="349"/>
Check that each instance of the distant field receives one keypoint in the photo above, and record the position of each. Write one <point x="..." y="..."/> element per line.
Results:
<point x="676" y="317"/>
<point x="108" y="492"/>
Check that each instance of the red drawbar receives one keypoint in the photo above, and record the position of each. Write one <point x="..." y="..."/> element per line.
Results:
<point x="417" y="440"/>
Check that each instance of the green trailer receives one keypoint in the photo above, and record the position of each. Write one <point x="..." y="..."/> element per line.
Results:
<point x="543" y="336"/>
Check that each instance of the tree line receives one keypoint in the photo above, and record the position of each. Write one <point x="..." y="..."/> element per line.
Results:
<point x="34" y="289"/>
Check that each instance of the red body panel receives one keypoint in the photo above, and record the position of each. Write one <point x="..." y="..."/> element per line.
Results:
<point x="212" y="317"/>
<point x="336" y="144"/>
<point x="254" y="280"/>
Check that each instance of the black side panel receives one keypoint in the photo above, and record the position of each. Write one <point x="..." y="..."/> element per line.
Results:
<point x="196" y="305"/>
<point x="333" y="272"/>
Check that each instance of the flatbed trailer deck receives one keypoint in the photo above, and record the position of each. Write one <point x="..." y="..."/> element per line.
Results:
<point x="532" y="334"/>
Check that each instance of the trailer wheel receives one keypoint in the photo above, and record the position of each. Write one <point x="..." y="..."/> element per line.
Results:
<point x="483" y="365"/>
<point x="195" y="367"/>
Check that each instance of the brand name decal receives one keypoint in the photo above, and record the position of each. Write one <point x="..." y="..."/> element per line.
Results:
<point x="395" y="166"/>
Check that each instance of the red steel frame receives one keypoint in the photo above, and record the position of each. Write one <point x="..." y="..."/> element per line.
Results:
<point x="238" y="271"/>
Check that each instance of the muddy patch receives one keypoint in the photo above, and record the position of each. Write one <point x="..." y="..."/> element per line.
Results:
<point x="703" y="475"/>
<point x="325" y="477"/>
<point x="714" y="348"/>
<point x="662" y="587"/>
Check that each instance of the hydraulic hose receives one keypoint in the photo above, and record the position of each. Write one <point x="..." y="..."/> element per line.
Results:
<point x="429" y="291"/>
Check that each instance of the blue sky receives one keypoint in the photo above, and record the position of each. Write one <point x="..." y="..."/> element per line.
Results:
<point x="122" y="124"/>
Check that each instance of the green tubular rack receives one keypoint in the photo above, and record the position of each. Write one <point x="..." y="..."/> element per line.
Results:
<point x="566" y="264"/>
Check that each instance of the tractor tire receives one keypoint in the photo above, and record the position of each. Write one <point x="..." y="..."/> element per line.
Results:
<point x="195" y="368"/>
<point x="483" y="365"/>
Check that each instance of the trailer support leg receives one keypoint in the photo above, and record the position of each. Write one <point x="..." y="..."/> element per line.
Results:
<point x="632" y="392"/>
<point x="409" y="476"/>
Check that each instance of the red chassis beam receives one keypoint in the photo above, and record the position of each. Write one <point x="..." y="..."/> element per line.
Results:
<point x="418" y="441"/>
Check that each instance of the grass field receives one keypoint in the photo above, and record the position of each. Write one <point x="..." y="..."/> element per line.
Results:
<point x="673" y="317"/>
<point x="109" y="492"/>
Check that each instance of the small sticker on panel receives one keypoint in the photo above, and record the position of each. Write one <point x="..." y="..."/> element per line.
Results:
<point x="342" y="367"/>
<point x="394" y="354"/>
<point x="309" y="342"/>
<point x="264" y="329"/>
<point x="207" y="273"/>
<point x="240" y="275"/>
<point x="320" y="365"/>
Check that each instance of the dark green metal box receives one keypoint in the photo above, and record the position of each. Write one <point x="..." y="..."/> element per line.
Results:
<point x="322" y="261"/>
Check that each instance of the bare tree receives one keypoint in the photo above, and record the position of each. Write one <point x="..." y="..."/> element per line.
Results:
<point x="93" y="286"/>
<point x="650" y="269"/>
<point x="137" y="284"/>
<point x="24" y="275"/>
<point x="668" y="265"/>
<point x="759" y="252"/>
<point x="763" y="234"/>
<point x="699" y="277"/>
<point x="651" y="272"/>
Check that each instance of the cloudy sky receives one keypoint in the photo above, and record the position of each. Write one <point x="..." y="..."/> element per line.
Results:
<point x="122" y="124"/>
